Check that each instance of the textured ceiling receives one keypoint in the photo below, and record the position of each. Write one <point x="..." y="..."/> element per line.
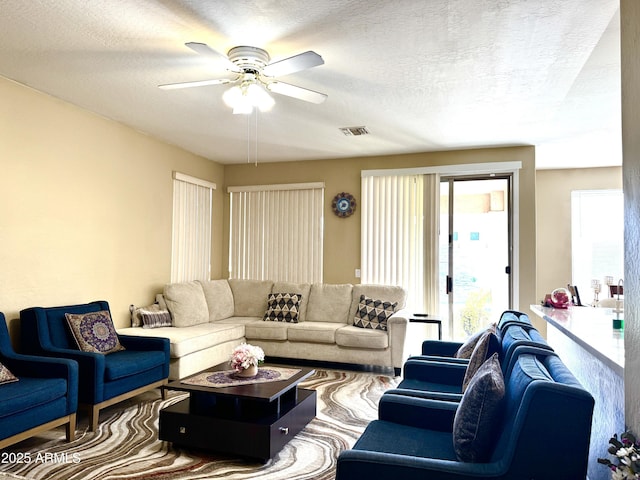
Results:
<point x="421" y="75"/>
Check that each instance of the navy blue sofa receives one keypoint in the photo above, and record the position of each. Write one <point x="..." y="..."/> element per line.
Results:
<point x="104" y="379"/>
<point x="44" y="397"/>
<point x="542" y="434"/>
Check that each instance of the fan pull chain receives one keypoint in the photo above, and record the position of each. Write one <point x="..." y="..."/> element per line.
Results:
<point x="249" y="137"/>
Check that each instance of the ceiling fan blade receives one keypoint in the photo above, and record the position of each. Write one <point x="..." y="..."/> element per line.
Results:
<point x="297" y="92"/>
<point x="207" y="51"/>
<point x="199" y="83"/>
<point x="302" y="61"/>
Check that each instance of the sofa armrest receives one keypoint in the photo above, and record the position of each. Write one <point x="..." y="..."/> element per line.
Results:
<point x="440" y="348"/>
<point x="91" y="368"/>
<point x="435" y="371"/>
<point x="45" y="367"/>
<point x="360" y="464"/>
<point x="417" y="412"/>
<point x="397" y="329"/>
<point x="434" y="358"/>
<point x="443" y="396"/>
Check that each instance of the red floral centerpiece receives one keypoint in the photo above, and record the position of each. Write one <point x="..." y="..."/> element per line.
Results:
<point x="245" y="359"/>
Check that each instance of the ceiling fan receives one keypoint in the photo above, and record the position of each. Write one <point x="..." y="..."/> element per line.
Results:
<point x="254" y="77"/>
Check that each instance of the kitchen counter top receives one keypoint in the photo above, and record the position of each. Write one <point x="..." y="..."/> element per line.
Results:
<point x="592" y="329"/>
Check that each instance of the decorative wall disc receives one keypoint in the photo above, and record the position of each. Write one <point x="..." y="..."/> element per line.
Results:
<point x="343" y="204"/>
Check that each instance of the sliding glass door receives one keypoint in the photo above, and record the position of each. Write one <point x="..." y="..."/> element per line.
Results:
<point x="474" y="252"/>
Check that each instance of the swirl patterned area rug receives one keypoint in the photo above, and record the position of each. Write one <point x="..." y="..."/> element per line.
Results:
<point x="126" y="444"/>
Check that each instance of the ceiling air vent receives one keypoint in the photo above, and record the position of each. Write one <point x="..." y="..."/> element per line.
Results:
<point x="354" y="131"/>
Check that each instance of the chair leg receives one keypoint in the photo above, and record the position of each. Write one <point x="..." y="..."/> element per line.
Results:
<point x="71" y="428"/>
<point x="94" y="416"/>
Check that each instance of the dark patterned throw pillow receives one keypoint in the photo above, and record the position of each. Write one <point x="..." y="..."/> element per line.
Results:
<point x="6" y="376"/>
<point x="373" y="313"/>
<point x="94" y="332"/>
<point x="283" y="307"/>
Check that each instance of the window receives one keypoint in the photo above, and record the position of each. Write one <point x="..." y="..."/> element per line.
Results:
<point x="396" y="234"/>
<point x="276" y="232"/>
<point x="597" y="239"/>
<point x="191" y="240"/>
<point x="401" y="227"/>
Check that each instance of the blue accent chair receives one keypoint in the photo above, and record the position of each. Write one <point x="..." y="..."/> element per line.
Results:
<point x="446" y="350"/>
<point x="104" y="379"/>
<point x="44" y="397"/>
<point x="437" y="377"/>
<point x="542" y="434"/>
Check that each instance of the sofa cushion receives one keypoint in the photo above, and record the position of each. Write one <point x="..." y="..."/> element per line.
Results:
<point x="478" y="413"/>
<point x="219" y="299"/>
<point x="266" y="331"/>
<point x="373" y="313"/>
<point x="186" y="340"/>
<point x="250" y="297"/>
<point x="485" y="348"/>
<point x="187" y="304"/>
<point x="314" y="332"/>
<point x="302" y="288"/>
<point x="94" y="332"/>
<point x="155" y="319"/>
<point x="29" y="393"/>
<point x="6" y="376"/>
<point x="466" y="349"/>
<point x="390" y="293"/>
<point x="357" y="337"/>
<point x="329" y="303"/>
<point x="131" y="362"/>
<point x="283" y="307"/>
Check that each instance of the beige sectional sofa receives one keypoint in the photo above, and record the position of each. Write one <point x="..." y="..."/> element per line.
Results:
<point x="210" y="318"/>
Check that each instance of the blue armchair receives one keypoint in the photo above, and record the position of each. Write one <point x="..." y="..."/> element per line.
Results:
<point x="439" y="377"/>
<point x="542" y="433"/>
<point x="446" y="350"/>
<point x="44" y="397"/>
<point x="103" y="379"/>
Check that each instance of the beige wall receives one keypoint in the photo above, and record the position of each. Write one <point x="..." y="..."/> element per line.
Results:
<point x="86" y="206"/>
<point x="342" y="235"/>
<point x="553" y="212"/>
<point x="630" y="43"/>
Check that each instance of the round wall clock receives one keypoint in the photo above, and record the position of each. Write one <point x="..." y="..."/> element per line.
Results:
<point x="343" y="204"/>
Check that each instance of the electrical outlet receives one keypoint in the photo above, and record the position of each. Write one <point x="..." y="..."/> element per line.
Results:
<point x="357" y="273"/>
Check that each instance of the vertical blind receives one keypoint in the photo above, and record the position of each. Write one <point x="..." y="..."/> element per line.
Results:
<point x="398" y="214"/>
<point x="191" y="241"/>
<point x="276" y="232"/>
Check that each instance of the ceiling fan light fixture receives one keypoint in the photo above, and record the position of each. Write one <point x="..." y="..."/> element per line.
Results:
<point x="243" y="98"/>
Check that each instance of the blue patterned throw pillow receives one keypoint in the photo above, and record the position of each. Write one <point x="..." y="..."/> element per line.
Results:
<point x="373" y="313"/>
<point x="94" y="332"/>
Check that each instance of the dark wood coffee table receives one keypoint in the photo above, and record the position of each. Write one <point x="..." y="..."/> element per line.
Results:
<point x="254" y="420"/>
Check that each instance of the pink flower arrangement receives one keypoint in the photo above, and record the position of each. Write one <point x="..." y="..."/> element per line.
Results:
<point x="245" y="355"/>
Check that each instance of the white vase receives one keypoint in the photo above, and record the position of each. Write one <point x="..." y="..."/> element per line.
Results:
<point x="252" y="371"/>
